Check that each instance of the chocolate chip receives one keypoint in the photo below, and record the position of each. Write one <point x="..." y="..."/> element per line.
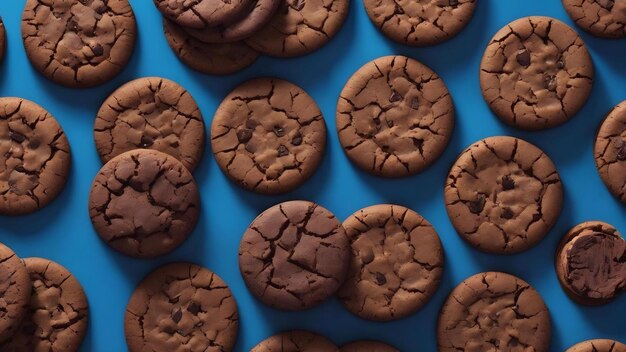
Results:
<point x="19" y="168"/>
<point x="389" y="123"/>
<point x="513" y="342"/>
<point x="17" y="137"/>
<point x="72" y="26"/>
<point x="194" y="308"/>
<point x="395" y="96"/>
<point x="415" y="103"/>
<point x="477" y="206"/>
<point x="419" y="143"/>
<point x="523" y="57"/>
<point x="297" y="140"/>
<point x="495" y="342"/>
<point x="279" y="131"/>
<point x="298" y="5"/>
<point x="507" y="213"/>
<point x="101" y="9"/>
<point x="168" y="330"/>
<point x="536" y="217"/>
<point x="146" y="141"/>
<point x="380" y="279"/>
<point x="377" y="121"/>
<point x="560" y="63"/>
<point x="34" y="143"/>
<point x="244" y="135"/>
<point x="507" y="183"/>
<point x="550" y="82"/>
<point x="454" y="2"/>
<point x="282" y="151"/>
<point x="175" y="144"/>
<point x="621" y="155"/>
<point x="177" y="316"/>
<point x="98" y="50"/>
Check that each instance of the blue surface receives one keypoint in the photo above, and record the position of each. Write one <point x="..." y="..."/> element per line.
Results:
<point x="63" y="232"/>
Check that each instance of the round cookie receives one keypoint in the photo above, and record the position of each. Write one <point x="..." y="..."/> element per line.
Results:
<point x="420" y="23"/>
<point x="77" y="43"/>
<point x="396" y="264"/>
<point x="144" y="203"/>
<point x="3" y="40"/>
<point x="153" y="113"/>
<point x="536" y="73"/>
<point x="58" y="314"/>
<point x="181" y="307"/>
<point x="34" y="157"/>
<point x="368" y="346"/>
<point x="602" y="18"/>
<point x="202" y="13"/>
<point x="300" y="27"/>
<point x="590" y="263"/>
<point x="395" y="117"/>
<point x="268" y="136"/>
<point x="294" y="255"/>
<point x="598" y="345"/>
<point x="503" y="195"/>
<point x="295" y="341"/>
<point x="610" y="151"/>
<point x="15" y="289"/>
<point x="494" y="311"/>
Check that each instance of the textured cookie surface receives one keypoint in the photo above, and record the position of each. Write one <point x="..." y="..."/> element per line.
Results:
<point x="181" y="307"/>
<point x="295" y="341"/>
<point x="536" y="73"/>
<point x="368" y="346"/>
<point x="294" y="255"/>
<point x="598" y="345"/>
<point x="34" y="157"/>
<point x="603" y="18"/>
<point x="503" y="195"/>
<point x="394" y="117"/>
<point x="15" y="288"/>
<point x="79" y="43"/>
<point x="144" y="203"/>
<point x="396" y="263"/>
<point x="202" y="13"/>
<point x="610" y="151"/>
<point x="268" y="136"/>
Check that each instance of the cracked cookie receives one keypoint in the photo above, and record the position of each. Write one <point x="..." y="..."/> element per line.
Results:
<point x="152" y="113"/>
<point x="144" y="203"/>
<point x="598" y="345"/>
<point x="503" y="195"/>
<point x="202" y="13"/>
<point x="268" y="136"/>
<point x="294" y="255"/>
<point x="536" y="73"/>
<point x="610" y="151"/>
<point x="181" y="307"/>
<point x="396" y="263"/>
<point x="300" y="27"/>
<point x="15" y="289"/>
<point x="420" y="23"/>
<point x="368" y="346"/>
<point x="34" y="157"/>
<point x="395" y="117"/>
<point x="79" y="43"/>
<point x="602" y="18"/>
<point x="295" y="341"/>
<point x="591" y="263"/>
<point x="3" y="40"/>
<point x="58" y="313"/>
<point x="494" y="311"/>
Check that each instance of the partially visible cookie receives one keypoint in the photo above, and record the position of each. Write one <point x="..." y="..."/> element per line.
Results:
<point x="368" y="346"/>
<point x="598" y="345"/>
<point x="15" y="289"/>
<point x="602" y="18"/>
<point x="295" y="341"/>
<point x="202" y="13"/>
<point x="3" y="40"/>
<point x="610" y="151"/>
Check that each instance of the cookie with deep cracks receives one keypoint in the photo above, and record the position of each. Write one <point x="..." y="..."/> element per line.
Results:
<point x="602" y="18"/>
<point x="181" y="307"/>
<point x="15" y="289"/>
<point x="295" y="341"/>
<point x="202" y="13"/>
<point x="610" y="151"/>
<point x="368" y="346"/>
<point x="536" y="73"/>
<point x="598" y="345"/>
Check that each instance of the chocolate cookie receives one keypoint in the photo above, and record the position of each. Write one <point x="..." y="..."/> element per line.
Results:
<point x="296" y="341"/>
<point x="268" y="136"/>
<point x="300" y="27"/>
<point x="599" y="345"/>
<point x="202" y="13"/>
<point x="395" y="117"/>
<point x="144" y="203"/>
<point x="58" y="314"/>
<point x="181" y="307"/>
<point x="153" y="113"/>
<point x="602" y="18"/>
<point x="494" y="312"/>
<point x="503" y="195"/>
<point x="368" y="346"/>
<point x="536" y="73"/>
<point x="79" y="43"/>
<point x="15" y="288"/>
<point x="610" y="151"/>
<point x="3" y="40"/>
<point x="396" y="265"/>
<point x="34" y="157"/>
<point x="294" y="255"/>
<point x="420" y="23"/>
<point x="591" y="263"/>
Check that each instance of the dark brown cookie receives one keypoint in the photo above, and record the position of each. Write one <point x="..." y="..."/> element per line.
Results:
<point x="602" y="18"/>
<point x="536" y="73"/>
<point x="503" y="195"/>
<point x="34" y="157"/>
<point x="15" y="288"/>
<point x="3" y="40"/>
<point x="294" y="255"/>
<point x="79" y="43"/>
<point x="202" y="13"/>
<point x="296" y="341"/>
<point x="300" y="27"/>
<point x="610" y="151"/>
<point x="396" y="265"/>
<point x="144" y="203"/>
<point x="268" y="136"/>
<point x="599" y="345"/>
<point x="494" y="312"/>
<point x="181" y="307"/>
<point x="395" y="117"/>
<point x="368" y="346"/>
<point x="591" y="263"/>
<point x="420" y="23"/>
<point x="152" y="113"/>
<point x="58" y="314"/>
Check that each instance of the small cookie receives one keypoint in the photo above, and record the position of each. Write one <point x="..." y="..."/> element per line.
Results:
<point x="395" y="117"/>
<point x="58" y="315"/>
<point x="296" y="341"/>
<point x="268" y="136"/>
<point x="368" y="346"/>
<point x="503" y="195"/>
<point x="494" y="311"/>
<point x="610" y="151"/>
<point x="152" y="113"/>
<point x="590" y="263"/>
<point x="34" y="157"/>
<point x="181" y="307"/>
<point x="3" y="40"/>
<point x="396" y="264"/>
<point x="77" y="43"/>
<point x="602" y="18"/>
<point x="599" y="345"/>
<point x="144" y="203"/>
<point x="15" y="289"/>
<point x="420" y="23"/>
<point x="202" y="13"/>
<point x="536" y="73"/>
<point x="294" y="255"/>
<point x="212" y="59"/>
<point x="300" y="27"/>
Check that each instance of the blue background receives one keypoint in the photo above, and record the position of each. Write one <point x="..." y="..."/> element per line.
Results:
<point x="63" y="232"/>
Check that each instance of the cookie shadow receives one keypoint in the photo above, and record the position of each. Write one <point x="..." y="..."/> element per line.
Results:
<point x="603" y="51"/>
